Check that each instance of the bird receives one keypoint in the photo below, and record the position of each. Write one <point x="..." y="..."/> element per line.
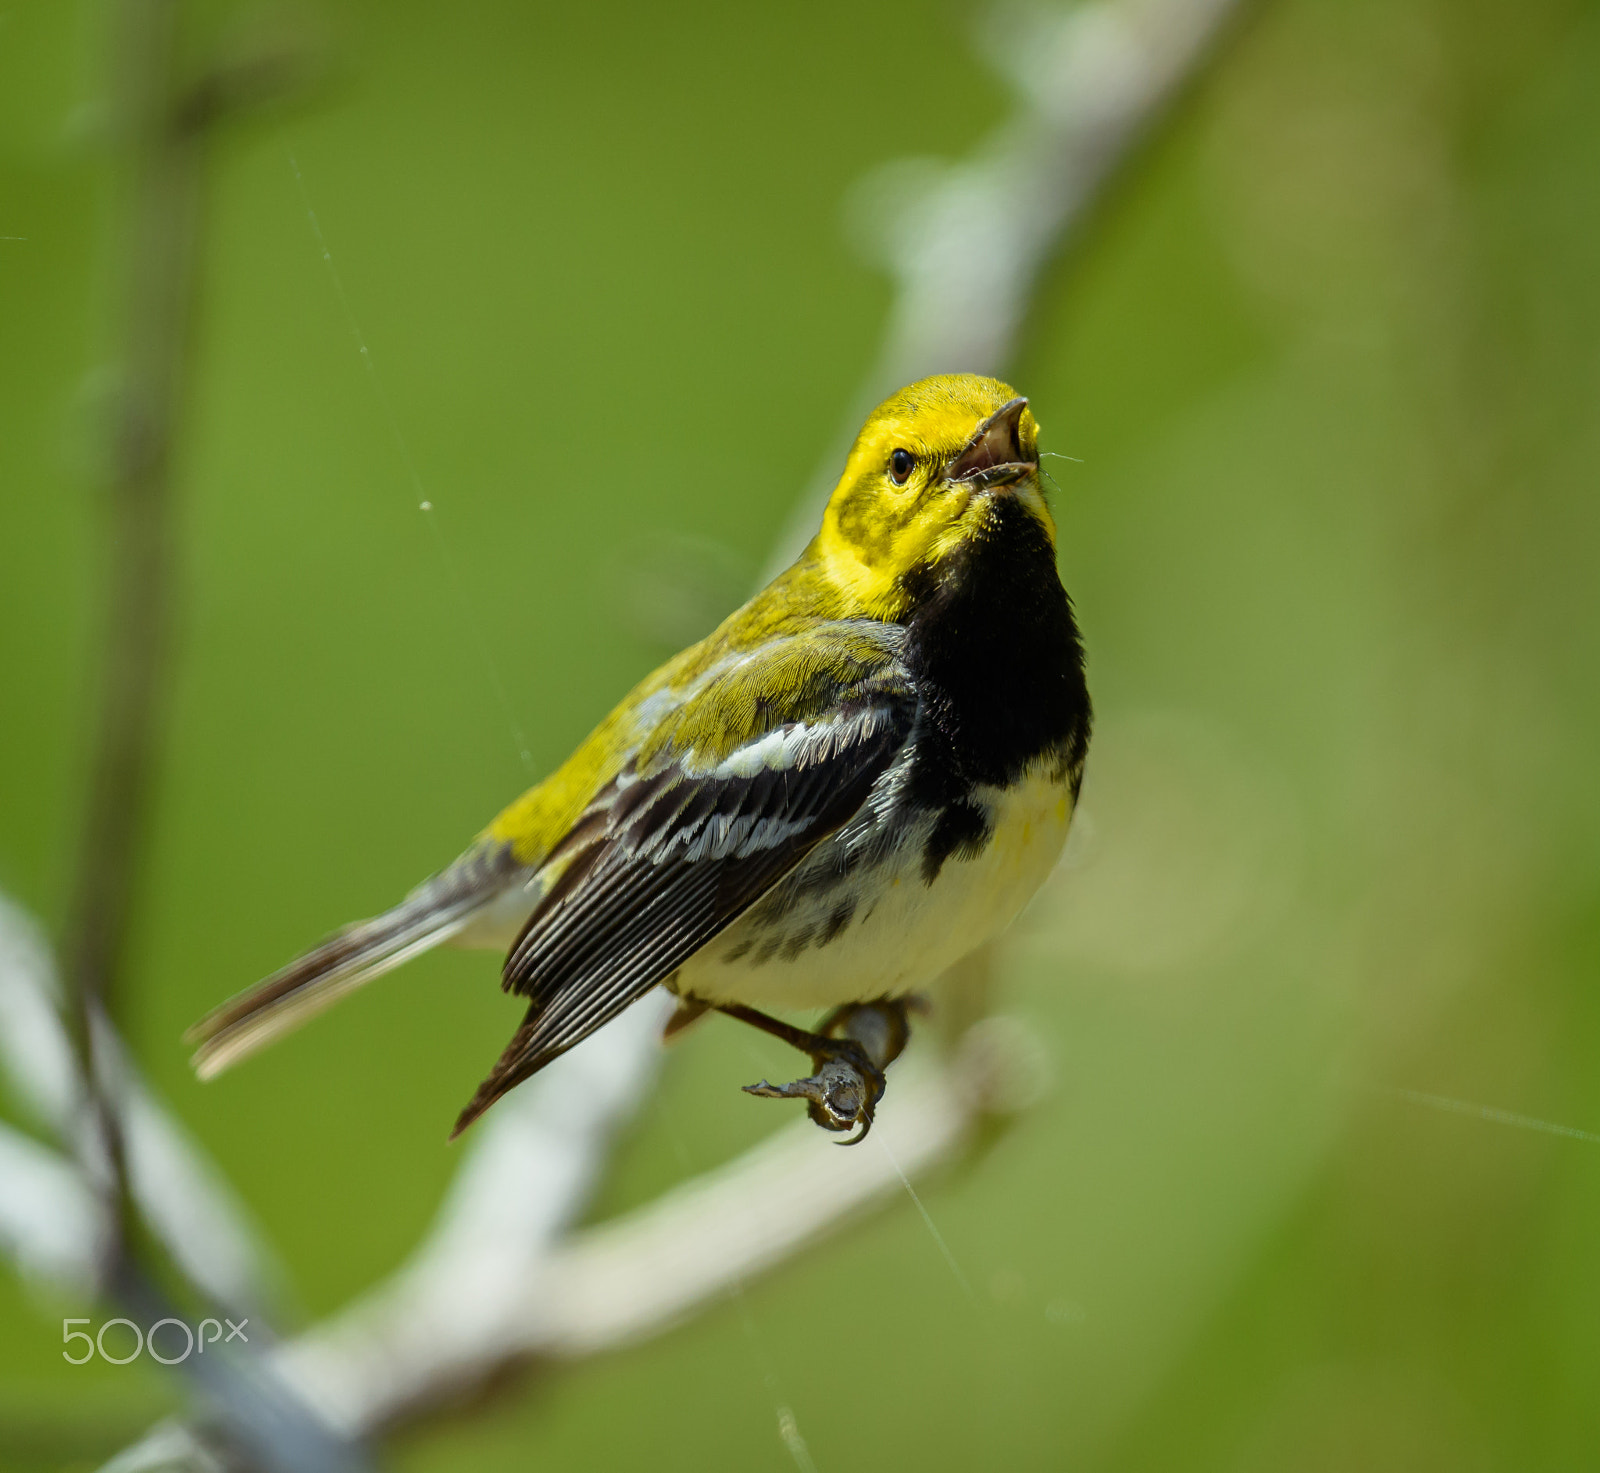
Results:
<point x="857" y="779"/>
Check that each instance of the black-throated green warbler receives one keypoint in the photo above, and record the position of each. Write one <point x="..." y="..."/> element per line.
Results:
<point x="859" y="777"/>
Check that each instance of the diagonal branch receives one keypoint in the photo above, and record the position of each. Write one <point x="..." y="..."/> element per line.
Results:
<point x="965" y="242"/>
<point x="466" y="1307"/>
<point x="162" y="204"/>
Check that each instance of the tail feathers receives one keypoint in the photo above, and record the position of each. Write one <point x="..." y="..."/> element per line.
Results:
<point x="348" y="959"/>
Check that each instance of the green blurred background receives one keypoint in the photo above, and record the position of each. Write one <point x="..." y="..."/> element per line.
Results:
<point x="1330" y="358"/>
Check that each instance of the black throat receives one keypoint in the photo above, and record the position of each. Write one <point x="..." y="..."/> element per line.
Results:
<point x="998" y="662"/>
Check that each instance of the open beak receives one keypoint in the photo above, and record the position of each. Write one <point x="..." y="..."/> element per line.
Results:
<point x="994" y="456"/>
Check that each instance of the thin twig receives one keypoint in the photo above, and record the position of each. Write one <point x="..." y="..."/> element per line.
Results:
<point x="162" y="197"/>
<point x="161" y="127"/>
<point x="161" y="130"/>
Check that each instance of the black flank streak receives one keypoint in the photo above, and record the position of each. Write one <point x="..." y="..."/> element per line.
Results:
<point x="841" y="917"/>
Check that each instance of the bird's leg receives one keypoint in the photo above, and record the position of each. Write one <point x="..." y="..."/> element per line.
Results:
<point x="849" y="1055"/>
<point x="881" y="1028"/>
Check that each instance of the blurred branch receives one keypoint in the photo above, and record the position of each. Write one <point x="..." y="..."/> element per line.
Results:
<point x="48" y="1214"/>
<point x="965" y="242"/>
<point x="50" y="1218"/>
<point x="449" y="1315"/>
<point x="161" y="127"/>
<point x="161" y="213"/>
<point x="124" y="1143"/>
<point x="461" y="1312"/>
<point x="36" y="1053"/>
<point x="495" y="1282"/>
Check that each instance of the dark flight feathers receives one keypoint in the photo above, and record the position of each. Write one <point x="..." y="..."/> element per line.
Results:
<point x="662" y="862"/>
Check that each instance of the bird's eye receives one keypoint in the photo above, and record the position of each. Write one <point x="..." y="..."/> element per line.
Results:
<point x="900" y="464"/>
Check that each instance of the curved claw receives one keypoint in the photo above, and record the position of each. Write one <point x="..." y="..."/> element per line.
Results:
<point x="860" y="1135"/>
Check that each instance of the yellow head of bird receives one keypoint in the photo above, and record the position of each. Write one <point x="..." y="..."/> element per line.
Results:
<point x="925" y="477"/>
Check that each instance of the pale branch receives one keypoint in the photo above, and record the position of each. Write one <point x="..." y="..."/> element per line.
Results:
<point x="446" y="1317"/>
<point x="52" y="1218"/>
<point x="469" y="1304"/>
<point x="965" y="241"/>
<point x="50" y="1210"/>
<point x="49" y="1216"/>
<point x="36" y="1054"/>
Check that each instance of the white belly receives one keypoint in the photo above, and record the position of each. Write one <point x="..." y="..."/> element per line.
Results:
<point x="902" y="931"/>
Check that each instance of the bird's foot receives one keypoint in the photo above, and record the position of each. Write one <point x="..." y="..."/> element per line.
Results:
<point x="844" y="1092"/>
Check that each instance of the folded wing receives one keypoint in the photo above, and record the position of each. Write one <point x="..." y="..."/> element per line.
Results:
<point x="692" y="833"/>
